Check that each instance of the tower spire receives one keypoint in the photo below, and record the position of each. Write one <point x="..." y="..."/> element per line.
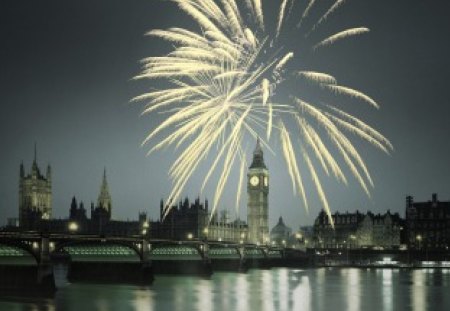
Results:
<point x="258" y="156"/>
<point x="35" y="152"/>
<point x="104" y="198"/>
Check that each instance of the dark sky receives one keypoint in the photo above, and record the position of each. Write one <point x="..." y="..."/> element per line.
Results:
<point x="65" y="83"/>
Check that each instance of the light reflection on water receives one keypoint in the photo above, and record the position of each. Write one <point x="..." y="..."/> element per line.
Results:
<point x="418" y="293"/>
<point x="353" y="290"/>
<point x="266" y="290"/>
<point x="387" y="290"/>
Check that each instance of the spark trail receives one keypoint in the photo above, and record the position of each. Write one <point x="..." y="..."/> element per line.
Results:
<point x="221" y="84"/>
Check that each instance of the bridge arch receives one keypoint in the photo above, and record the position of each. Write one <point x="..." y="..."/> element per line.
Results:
<point x="177" y="251"/>
<point x="225" y="251"/>
<point x="105" y="249"/>
<point x="17" y="248"/>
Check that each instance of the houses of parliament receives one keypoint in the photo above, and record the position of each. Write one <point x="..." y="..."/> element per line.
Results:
<point x="186" y="220"/>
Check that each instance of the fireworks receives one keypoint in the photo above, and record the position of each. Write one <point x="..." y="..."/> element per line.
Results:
<point x="221" y="83"/>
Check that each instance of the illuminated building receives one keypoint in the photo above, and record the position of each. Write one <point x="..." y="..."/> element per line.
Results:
<point x="35" y="193"/>
<point x="358" y="230"/>
<point x="257" y="202"/>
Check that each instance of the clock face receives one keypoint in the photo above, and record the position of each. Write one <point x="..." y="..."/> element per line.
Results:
<point x="254" y="180"/>
<point x="266" y="181"/>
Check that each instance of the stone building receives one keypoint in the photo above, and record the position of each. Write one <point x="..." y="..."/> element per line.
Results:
<point x="35" y="193"/>
<point x="428" y="223"/>
<point x="357" y="230"/>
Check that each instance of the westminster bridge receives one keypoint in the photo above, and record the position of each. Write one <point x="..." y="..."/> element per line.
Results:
<point x="131" y="259"/>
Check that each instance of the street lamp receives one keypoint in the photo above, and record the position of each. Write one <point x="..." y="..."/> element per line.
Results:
<point x="419" y="240"/>
<point x="346" y="250"/>
<point x="205" y="233"/>
<point x="298" y="237"/>
<point x="73" y="227"/>
<point x="242" y="237"/>
<point x="353" y="238"/>
<point x="190" y="236"/>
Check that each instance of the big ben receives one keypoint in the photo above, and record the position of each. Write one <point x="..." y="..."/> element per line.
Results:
<point x="257" y="202"/>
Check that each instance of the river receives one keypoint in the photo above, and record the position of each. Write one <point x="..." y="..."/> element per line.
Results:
<point x="275" y="289"/>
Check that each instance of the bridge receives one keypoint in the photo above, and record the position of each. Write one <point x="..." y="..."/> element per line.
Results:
<point x="132" y="259"/>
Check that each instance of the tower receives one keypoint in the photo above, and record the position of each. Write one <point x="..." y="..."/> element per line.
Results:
<point x="257" y="202"/>
<point x="35" y="193"/>
<point x="104" y="198"/>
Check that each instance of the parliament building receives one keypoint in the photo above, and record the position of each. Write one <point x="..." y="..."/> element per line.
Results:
<point x="191" y="220"/>
<point x="186" y="220"/>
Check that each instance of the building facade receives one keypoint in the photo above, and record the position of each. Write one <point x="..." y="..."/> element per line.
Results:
<point x="358" y="230"/>
<point x="428" y="224"/>
<point x="35" y="193"/>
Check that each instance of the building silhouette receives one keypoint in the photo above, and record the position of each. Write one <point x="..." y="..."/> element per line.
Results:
<point x="35" y="193"/>
<point x="100" y="220"/>
<point x="428" y="224"/>
<point x="195" y="220"/>
<point x="281" y="234"/>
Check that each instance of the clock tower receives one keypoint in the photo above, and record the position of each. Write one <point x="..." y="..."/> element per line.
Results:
<point x="257" y="201"/>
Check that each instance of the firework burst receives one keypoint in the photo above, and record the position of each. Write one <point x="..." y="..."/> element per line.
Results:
<point x="222" y="79"/>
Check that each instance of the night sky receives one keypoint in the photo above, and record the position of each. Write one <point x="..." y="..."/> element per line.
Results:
<point x="66" y="71"/>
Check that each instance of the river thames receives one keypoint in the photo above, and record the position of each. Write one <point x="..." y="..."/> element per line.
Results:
<point x="275" y="289"/>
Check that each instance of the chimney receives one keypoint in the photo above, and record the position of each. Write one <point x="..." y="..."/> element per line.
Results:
<point x="434" y="196"/>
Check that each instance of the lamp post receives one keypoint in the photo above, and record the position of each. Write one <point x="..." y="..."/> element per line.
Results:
<point x="145" y="226"/>
<point x="298" y="237"/>
<point x="354" y="241"/>
<point x="419" y="241"/>
<point x="205" y="233"/>
<point x="346" y="250"/>
<point x="242" y="237"/>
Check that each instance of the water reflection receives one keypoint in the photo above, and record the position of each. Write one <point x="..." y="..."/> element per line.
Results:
<point x="143" y="300"/>
<point x="301" y="295"/>
<point x="418" y="293"/>
<point x="283" y="290"/>
<point x="353" y="289"/>
<point x="387" y="289"/>
<point x="204" y="295"/>
<point x="241" y="292"/>
<point x="266" y="290"/>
